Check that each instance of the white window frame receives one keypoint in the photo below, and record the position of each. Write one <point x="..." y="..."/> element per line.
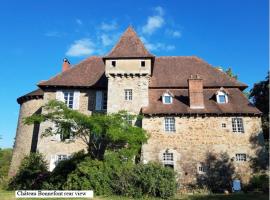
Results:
<point x="221" y="93"/>
<point x="69" y="98"/>
<point x="168" y="158"/>
<point x="238" y="125"/>
<point x="240" y="157"/>
<point x="61" y="96"/>
<point x="169" y="124"/>
<point x="164" y="98"/>
<point x="128" y="94"/>
<point x="201" y="168"/>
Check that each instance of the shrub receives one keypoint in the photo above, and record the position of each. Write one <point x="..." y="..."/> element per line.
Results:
<point x="90" y="175"/>
<point x="5" y="158"/>
<point x="59" y="175"/>
<point x="31" y="174"/>
<point x="259" y="182"/>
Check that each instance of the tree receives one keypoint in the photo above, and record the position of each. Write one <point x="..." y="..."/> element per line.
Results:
<point x="100" y="132"/>
<point x="230" y="73"/>
<point x="259" y="95"/>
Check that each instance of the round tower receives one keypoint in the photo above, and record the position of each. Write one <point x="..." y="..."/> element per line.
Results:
<point x="26" y="135"/>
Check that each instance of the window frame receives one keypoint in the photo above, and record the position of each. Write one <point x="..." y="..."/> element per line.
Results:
<point x="67" y="101"/>
<point x="201" y="168"/>
<point x="169" y="127"/>
<point x="128" y="93"/>
<point x="221" y="94"/>
<point x="238" y="125"/>
<point x="168" y="159"/>
<point x="104" y="100"/>
<point x="164" y="98"/>
<point x="241" y="157"/>
<point x="143" y="63"/>
<point x="113" y="63"/>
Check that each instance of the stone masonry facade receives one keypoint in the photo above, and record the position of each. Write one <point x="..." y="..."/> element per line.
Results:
<point x="199" y="121"/>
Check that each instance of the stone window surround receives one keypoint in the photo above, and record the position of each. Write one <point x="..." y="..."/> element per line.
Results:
<point x="238" y="125"/>
<point x="201" y="168"/>
<point x="168" y="125"/>
<point x="128" y="94"/>
<point x="240" y="157"/>
<point x="176" y="157"/>
<point x="166" y="95"/>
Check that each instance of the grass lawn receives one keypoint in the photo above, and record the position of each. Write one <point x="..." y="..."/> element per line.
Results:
<point x="10" y="195"/>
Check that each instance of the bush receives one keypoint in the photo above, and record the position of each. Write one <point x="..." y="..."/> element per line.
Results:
<point x="90" y="175"/>
<point x="5" y="158"/>
<point x="31" y="174"/>
<point x="59" y="175"/>
<point x="259" y="182"/>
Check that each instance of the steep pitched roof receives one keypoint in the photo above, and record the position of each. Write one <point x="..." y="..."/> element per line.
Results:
<point x="168" y="72"/>
<point x="36" y="94"/>
<point x="237" y="104"/>
<point x="129" y="46"/>
<point x="174" y="71"/>
<point x="88" y="73"/>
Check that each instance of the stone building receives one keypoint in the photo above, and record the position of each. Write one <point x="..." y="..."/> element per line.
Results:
<point x="190" y="108"/>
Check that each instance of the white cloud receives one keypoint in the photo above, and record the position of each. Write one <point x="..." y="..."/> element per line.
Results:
<point x="106" y="40"/>
<point x="81" y="47"/>
<point x="174" y="33"/>
<point x="159" y="10"/>
<point x="108" y="26"/>
<point x="154" y="22"/>
<point x="157" y="46"/>
<point x="79" y="22"/>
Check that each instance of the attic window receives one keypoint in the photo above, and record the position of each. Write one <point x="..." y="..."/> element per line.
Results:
<point x="142" y="63"/>
<point x="167" y="98"/>
<point x="113" y="63"/>
<point x="221" y="97"/>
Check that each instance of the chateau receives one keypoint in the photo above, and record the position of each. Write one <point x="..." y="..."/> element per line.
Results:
<point x="190" y="108"/>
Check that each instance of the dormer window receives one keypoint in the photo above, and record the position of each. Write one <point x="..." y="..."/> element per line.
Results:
<point x="113" y="63"/>
<point x="222" y="96"/>
<point x="167" y="98"/>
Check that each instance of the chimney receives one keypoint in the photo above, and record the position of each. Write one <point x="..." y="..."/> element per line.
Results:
<point x="66" y="65"/>
<point x="195" y="92"/>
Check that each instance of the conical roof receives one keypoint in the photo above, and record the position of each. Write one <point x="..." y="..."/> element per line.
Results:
<point x="129" y="46"/>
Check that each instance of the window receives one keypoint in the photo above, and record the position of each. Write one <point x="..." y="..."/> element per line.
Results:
<point x="69" y="99"/>
<point x="166" y="98"/>
<point x="202" y="168"/>
<point x="67" y="136"/>
<point x="142" y="63"/>
<point x="113" y="63"/>
<point x="169" y="124"/>
<point x="237" y="125"/>
<point x="61" y="157"/>
<point x="241" y="157"/>
<point x="168" y="159"/>
<point x="222" y="97"/>
<point x="104" y="100"/>
<point x="223" y="125"/>
<point x="128" y="94"/>
<point x="101" y="100"/>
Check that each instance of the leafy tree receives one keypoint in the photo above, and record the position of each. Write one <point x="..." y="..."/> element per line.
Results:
<point x="100" y="132"/>
<point x="230" y="73"/>
<point x="5" y="158"/>
<point x="259" y="95"/>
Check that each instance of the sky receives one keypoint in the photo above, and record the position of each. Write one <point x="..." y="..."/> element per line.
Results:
<point x="37" y="35"/>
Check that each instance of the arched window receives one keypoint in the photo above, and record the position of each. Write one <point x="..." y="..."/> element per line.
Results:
<point x="167" y="98"/>
<point x="222" y="96"/>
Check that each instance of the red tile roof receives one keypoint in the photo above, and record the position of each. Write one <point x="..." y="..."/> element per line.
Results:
<point x="129" y="46"/>
<point x="237" y="104"/>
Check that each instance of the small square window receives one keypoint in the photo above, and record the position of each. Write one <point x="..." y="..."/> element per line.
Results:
<point x="202" y="169"/>
<point x="223" y="125"/>
<point x="167" y="99"/>
<point x="142" y="63"/>
<point x="113" y="63"/>
<point x="169" y="124"/>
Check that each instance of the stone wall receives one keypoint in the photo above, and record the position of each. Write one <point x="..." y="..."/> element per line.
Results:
<point x="116" y="94"/>
<point x="24" y="134"/>
<point x="195" y="137"/>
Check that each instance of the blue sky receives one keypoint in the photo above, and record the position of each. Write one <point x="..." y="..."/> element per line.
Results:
<point x="37" y="35"/>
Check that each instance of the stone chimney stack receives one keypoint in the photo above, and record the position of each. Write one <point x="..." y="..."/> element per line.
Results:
<point x="66" y="65"/>
<point x="195" y="92"/>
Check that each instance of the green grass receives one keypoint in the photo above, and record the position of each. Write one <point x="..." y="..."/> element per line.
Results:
<point x="10" y="195"/>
